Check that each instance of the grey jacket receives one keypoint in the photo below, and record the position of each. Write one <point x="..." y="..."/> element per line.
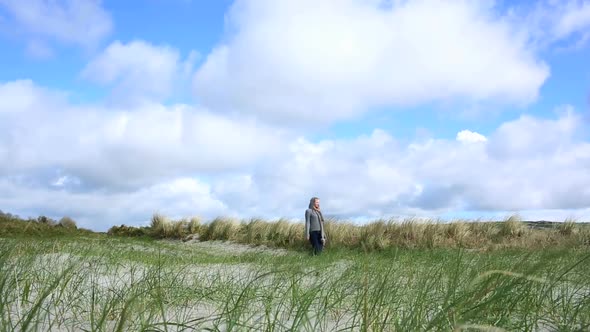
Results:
<point x="313" y="222"/>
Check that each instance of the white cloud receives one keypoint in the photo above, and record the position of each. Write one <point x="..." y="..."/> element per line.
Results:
<point x="99" y="210"/>
<point x="24" y="95"/>
<point x="120" y="165"/>
<point x="77" y="22"/>
<point x="575" y="17"/>
<point x="140" y="70"/>
<point x="310" y="61"/>
<point x="529" y="137"/>
<point x="467" y="136"/>
<point x="125" y="147"/>
<point x="550" y="22"/>
<point x="60" y="182"/>
<point x="377" y="176"/>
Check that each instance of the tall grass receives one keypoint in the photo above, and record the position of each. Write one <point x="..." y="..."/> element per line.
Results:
<point x="88" y="282"/>
<point x="381" y="234"/>
<point x="73" y="285"/>
<point x="513" y="227"/>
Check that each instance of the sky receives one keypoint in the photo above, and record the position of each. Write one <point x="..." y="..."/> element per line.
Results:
<point x="111" y="111"/>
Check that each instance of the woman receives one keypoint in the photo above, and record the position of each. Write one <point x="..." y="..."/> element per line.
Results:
<point x="314" y="226"/>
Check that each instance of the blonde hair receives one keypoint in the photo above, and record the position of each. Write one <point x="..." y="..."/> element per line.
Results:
<point x="311" y="202"/>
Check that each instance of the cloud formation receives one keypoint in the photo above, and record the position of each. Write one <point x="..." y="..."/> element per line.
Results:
<point x="526" y="164"/>
<point x="177" y="198"/>
<point x="550" y="22"/>
<point x="468" y="136"/>
<point x="72" y="22"/>
<point x="122" y="165"/>
<point x="120" y="148"/>
<point x="139" y="70"/>
<point x="328" y="61"/>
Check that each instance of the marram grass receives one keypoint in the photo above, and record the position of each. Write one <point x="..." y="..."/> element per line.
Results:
<point x="128" y="284"/>
<point x="376" y="235"/>
<point x="388" y="275"/>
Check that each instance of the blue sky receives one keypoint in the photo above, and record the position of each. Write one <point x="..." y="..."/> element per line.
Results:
<point x="111" y="111"/>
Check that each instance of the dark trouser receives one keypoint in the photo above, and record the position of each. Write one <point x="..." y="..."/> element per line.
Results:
<point x="315" y="237"/>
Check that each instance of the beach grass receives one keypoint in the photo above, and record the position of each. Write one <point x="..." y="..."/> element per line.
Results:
<point x="104" y="283"/>
<point x="258" y="275"/>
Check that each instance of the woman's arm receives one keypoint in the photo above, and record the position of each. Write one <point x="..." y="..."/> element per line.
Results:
<point x="307" y="223"/>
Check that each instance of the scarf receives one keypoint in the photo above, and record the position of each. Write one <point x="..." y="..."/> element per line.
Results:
<point x="321" y="219"/>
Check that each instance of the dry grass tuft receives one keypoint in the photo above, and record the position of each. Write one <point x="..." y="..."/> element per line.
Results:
<point x="513" y="227"/>
<point x="380" y="234"/>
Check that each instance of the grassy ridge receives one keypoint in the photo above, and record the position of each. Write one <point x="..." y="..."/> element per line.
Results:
<point x="11" y="225"/>
<point x="377" y="235"/>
